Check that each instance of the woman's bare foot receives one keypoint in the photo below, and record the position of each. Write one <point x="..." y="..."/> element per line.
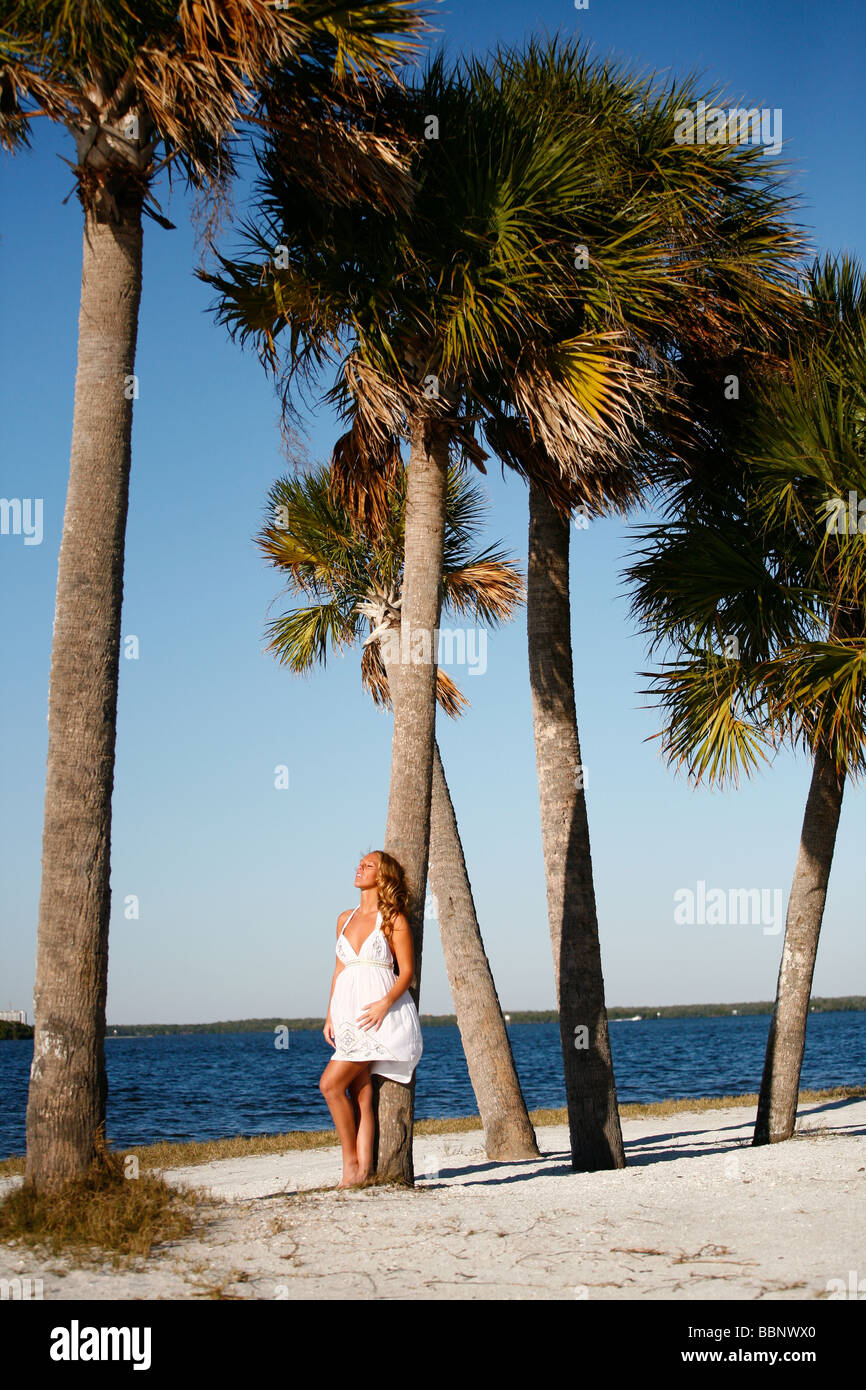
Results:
<point x="351" y="1176"/>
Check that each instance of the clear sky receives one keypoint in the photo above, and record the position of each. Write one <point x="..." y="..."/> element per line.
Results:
<point x="239" y="883"/>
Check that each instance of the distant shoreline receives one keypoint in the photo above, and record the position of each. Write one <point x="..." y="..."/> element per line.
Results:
<point x="845" y="1004"/>
<point x="852" y="1003"/>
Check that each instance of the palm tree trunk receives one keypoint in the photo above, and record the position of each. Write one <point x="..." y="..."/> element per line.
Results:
<point x="508" y="1132"/>
<point x="780" y="1084"/>
<point x="413" y="696"/>
<point x="593" y="1116"/>
<point x="68" y="1086"/>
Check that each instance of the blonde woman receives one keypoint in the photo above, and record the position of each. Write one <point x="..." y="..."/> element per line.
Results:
<point x="372" y="1021"/>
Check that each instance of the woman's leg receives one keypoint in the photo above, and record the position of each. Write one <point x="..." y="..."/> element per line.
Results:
<point x="335" y="1079"/>
<point x="361" y="1091"/>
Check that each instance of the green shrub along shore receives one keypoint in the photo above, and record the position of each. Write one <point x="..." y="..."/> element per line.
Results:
<point x="847" y="1003"/>
<point x="15" y="1030"/>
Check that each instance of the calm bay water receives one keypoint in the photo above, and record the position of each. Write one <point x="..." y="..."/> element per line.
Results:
<point x="212" y="1085"/>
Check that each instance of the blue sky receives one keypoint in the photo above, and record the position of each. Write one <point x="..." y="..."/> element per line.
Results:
<point x="239" y="884"/>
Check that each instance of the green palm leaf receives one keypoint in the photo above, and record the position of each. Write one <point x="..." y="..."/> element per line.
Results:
<point x="749" y="554"/>
<point x="342" y="571"/>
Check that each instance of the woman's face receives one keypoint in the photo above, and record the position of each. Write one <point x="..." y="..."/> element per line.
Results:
<point x="365" y="874"/>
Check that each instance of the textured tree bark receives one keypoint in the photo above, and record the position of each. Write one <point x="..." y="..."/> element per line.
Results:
<point x="780" y="1083"/>
<point x="407" y="836"/>
<point x="68" y="1085"/>
<point x="508" y="1132"/>
<point x="593" y="1115"/>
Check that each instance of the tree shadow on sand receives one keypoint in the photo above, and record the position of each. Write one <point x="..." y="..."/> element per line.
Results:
<point x="641" y="1151"/>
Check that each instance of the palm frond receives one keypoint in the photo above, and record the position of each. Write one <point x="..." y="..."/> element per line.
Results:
<point x="488" y="587"/>
<point x="302" y="638"/>
<point x="714" y="726"/>
<point x="193" y="75"/>
<point x="747" y="552"/>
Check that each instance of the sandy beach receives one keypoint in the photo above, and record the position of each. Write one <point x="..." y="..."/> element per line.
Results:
<point x="697" y="1214"/>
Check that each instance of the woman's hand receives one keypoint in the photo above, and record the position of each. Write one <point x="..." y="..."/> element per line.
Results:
<point x="328" y="1031"/>
<point x="374" y="1013"/>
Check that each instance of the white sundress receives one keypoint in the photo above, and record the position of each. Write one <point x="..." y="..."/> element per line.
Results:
<point x="394" y="1048"/>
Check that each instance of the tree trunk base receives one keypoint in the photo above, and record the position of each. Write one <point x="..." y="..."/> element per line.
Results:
<point x="508" y="1150"/>
<point x="786" y="1041"/>
<point x="394" y="1109"/>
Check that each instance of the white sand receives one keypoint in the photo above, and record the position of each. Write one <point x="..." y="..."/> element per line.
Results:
<point x="697" y="1214"/>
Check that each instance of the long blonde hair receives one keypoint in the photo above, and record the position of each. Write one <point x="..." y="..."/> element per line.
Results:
<point x="393" y="891"/>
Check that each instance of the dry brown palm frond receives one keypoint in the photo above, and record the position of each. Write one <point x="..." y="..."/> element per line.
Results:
<point x="378" y="404"/>
<point x="582" y="398"/>
<point x="502" y="586"/>
<point x="450" y="698"/>
<point x="387" y="401"/>
<point x="383" y="411"/>
<point x="464" y="445"/>
<point x="193" y="75"/>
<point x="360" y="163"/>
<point x="590" y="484"/>
<point x="21" y="82"/>
<point x="363" y="473"/>
<point x="373" y="676"/>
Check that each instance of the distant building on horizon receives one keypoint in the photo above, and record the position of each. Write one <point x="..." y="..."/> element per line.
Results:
<point x="12" y="1016"/>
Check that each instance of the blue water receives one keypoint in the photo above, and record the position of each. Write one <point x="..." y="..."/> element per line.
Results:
<point x="212" y="1085"/>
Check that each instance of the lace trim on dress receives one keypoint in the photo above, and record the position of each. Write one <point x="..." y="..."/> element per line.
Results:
<point x="351" y="1040"/>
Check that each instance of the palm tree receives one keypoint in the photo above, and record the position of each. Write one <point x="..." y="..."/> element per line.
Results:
<point x="708" y="254"/>
<point x="432" y="311"/>
<point x="141" y="89"/>
<point x="594" y="1124"/>
<point x="347" y="576"/>
<point x="759" y="547"/>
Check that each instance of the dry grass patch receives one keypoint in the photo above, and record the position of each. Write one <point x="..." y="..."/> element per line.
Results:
<point x="103" y="1215"/>
<point x="674" y="1107"/>
<point x="153" y="1157"/>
